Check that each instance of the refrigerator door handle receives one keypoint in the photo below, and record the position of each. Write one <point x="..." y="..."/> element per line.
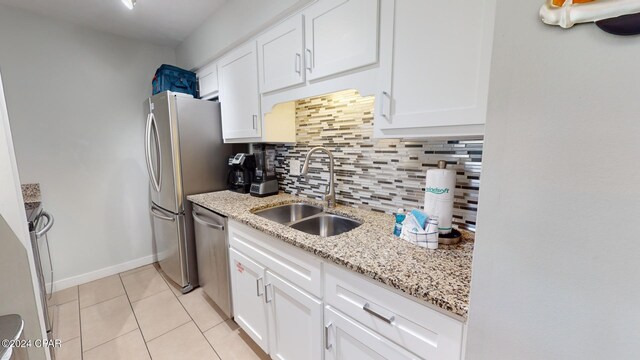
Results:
<point x="155" y="180"/>
<point x="158" y="213"/>
<point x="46" y="239"/>
<point x="40" y="234"/>
<point x="48" y="226"/>
<point x="159" y="175"/>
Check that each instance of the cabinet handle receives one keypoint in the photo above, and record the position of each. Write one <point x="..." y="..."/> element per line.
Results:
<point x="258" y="286"/>
<point x="388" y="320"/>
<point x="308" y="59"/>
<point x="385" y="95"/>
<point x="266" y="293"/>
<point x="298" y="63"/>
<point x="327" y="345"/>
<point x="255" y="122"/>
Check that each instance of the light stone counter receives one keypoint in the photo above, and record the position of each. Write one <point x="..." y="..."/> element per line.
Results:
<point x="31" y="196"/>
<point x="440" y="277"/>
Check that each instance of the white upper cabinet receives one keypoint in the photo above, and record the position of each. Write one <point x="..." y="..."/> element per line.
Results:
<point x="434" y="68"/>
<point x="239" y="95"/>
<point x="280" y="55"/>
<point x="426" y="61"/>
<point x="340" y="35"/>
<point x="208" y="81"/>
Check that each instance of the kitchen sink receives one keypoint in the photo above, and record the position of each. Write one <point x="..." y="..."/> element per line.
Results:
<point x="326" y="225"/>
<point x="287" y="214"/>
<point x="309" y="219"/>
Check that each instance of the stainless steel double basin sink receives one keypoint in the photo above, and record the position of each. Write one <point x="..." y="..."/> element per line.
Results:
<point x="310" y="219"/>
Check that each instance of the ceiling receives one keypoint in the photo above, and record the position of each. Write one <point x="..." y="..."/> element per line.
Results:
<point x="162" y="22"/>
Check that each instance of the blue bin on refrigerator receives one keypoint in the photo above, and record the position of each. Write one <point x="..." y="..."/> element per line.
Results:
<point x="173" y="78"/>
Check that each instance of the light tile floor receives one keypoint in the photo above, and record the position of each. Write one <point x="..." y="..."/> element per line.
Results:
<point x="139" y="315"/>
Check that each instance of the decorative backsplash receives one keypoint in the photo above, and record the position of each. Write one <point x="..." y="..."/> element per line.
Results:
<point x="381" y="175"/>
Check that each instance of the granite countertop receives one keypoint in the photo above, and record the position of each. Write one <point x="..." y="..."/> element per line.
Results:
<point x="31" y="195"/>
<point x="440" y="277"/>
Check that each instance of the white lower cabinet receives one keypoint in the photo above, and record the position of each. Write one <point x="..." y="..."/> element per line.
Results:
<point x="295" y="321"/>
<point x="281" y="317"/>
<point x="247" y="288"/>
<point x="296" y="306"/>
<point x="413" y="326"/>
<point x="346" y="340"/>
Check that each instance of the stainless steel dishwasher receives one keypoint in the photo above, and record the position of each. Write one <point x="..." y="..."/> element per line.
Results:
<point x="212" y="251"/>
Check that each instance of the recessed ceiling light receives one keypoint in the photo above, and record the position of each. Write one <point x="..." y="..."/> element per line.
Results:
<point x="130" y="4"/>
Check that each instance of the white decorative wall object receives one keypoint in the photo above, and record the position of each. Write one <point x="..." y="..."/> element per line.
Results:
<point x="570" y="14"/>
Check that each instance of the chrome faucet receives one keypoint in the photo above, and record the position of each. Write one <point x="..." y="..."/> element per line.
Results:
<point x="330" y="196"/>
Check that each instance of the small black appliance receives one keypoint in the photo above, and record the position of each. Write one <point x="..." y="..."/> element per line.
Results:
<point x="242" y="169"/>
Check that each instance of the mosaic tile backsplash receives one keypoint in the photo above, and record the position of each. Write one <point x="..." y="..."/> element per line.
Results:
<point x="381" y="175"/>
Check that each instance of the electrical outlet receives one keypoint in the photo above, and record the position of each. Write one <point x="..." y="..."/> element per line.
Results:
<point x="294" y="167"/>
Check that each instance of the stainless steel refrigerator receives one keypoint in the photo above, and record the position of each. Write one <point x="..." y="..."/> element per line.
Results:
<point x="185" y="155"/>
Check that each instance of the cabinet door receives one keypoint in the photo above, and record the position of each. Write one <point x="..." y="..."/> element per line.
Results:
<point x="208" y="81"/>
<point x="239" y="95"/>
<point x="295" y="321"/>
<point x="247" y="287"/>
<point x="436" y="71"/>
<point x="345" y="339"/>
<point x="280" y="56"/>
<point x="340" y="35"/>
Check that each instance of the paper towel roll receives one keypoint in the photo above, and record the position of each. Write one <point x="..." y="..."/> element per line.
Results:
<point x="438" y="198"/>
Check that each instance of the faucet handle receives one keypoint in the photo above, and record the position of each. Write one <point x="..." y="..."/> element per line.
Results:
<point x="331" y="200"/>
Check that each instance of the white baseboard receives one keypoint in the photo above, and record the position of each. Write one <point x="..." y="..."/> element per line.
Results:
<point x="99" y="274"/>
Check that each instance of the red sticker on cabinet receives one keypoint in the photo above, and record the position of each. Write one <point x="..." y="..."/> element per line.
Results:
<point x="239" y="267"/>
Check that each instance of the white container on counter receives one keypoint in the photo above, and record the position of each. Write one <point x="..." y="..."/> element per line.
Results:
<point x="432" y="233"/>
<point x="438" y="198"/>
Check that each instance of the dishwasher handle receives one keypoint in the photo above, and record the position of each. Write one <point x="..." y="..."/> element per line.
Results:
<point x="199" y="220"/>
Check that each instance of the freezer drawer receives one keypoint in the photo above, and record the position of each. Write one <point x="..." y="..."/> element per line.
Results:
<point x="170" y="243"/>
<point x="212" y="249"/>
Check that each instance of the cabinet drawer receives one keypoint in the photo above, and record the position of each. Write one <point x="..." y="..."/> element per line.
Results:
<point x="347" y="339"/>
<point x="417" y="328"/>
<point x="295" y="265"/>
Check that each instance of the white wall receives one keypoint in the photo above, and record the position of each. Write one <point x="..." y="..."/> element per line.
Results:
<point x="75" y="102"/>
<point x="11" y="202"/>
<point x="235" y="22"/>
<point x="556" y="263"/>
<point x="17" y="272"/>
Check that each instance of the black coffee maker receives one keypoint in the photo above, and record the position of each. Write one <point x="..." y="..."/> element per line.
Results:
<point x="242" y="168"/>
